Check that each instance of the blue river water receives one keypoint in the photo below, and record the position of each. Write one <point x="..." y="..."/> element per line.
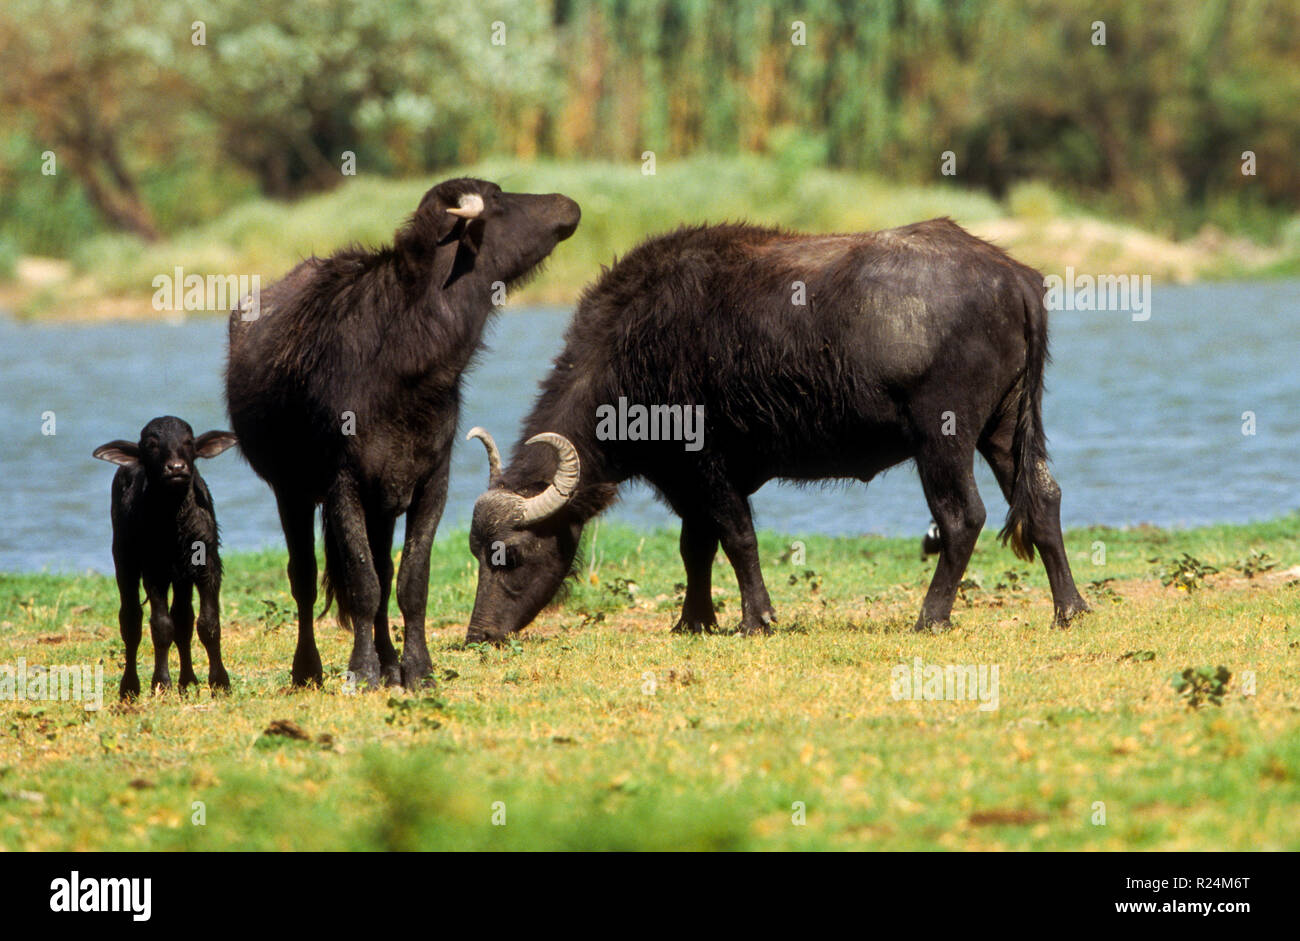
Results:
<point x="1145" y="421"/>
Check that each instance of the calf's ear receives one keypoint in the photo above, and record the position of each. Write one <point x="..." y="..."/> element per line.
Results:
<point x="212" y="443"/>
<point x="121" y="452"/>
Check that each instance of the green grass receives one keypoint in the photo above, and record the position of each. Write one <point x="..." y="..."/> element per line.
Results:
<point x="596" y="728"/>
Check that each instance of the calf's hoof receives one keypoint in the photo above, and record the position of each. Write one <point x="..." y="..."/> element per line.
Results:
<point x="160" y="683"/>
<point x="187" y="680"/>
<point x="391" y="674"/>
<point x="129" y="687"/>
<point x="219" y="681"/>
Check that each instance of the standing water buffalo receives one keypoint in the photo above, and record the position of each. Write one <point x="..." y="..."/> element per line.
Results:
<point x="343" y="385"/>
<point x="802" y="357"/>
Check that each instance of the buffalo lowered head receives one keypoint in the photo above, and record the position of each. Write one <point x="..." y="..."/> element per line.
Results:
<point x="525" y="544"/>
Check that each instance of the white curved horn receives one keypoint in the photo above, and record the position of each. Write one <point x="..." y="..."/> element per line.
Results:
<point x="563" y="484"/>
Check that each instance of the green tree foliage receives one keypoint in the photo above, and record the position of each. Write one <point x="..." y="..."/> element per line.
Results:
<point x="403" y="84"/>
<point x="1153" y="123"/>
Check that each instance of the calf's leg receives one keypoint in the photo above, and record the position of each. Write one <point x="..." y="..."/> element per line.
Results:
<point x="182" y="614"/>
<point x="210" y="632"/>
<point x="162" y="632"/>
<point x="130" y="621"/>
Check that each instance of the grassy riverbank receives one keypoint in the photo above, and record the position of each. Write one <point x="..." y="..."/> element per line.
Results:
<point x="110" y="276"/>
<point x="596" y="728"/>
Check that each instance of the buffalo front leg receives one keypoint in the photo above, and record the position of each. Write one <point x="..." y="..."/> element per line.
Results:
<point x="699" y="546"/>
<point x="956" y="506"/>
<point x="296" y="519"/>
<point x="413" y="575"/>
<point x="735" y="528"/>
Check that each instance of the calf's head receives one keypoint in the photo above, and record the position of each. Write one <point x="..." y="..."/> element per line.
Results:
<point x="525" y="545"/>
<point x="474" y="226"/>
<point x="166" y="450"/>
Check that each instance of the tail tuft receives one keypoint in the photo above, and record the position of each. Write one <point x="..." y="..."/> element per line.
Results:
<point x="1029" y="445"/>
<point x="1014" y="533"/>
<point x="333" y="589"/>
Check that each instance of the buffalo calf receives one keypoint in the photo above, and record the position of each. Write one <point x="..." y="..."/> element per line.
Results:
<point x="165" y="534"/>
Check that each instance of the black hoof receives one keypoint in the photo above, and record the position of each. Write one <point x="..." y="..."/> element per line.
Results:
<point x="307" y="669"/>
<point x="413" y="674"/>
<point x="686" y="625"/>
<point x="926" y="625"/>
<point x="1064" y="616"/>
<point x="316" y="679"/>
<point x="129" y="688"/>
<point x="219" y="681"/>
<point x="758" y="626"/>
<point x="367" y="677"/>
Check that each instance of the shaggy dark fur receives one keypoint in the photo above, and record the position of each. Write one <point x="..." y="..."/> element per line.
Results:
<point x="165" y="534"/>
<point x="920" y="343"/>
<point x="344" y="388"/>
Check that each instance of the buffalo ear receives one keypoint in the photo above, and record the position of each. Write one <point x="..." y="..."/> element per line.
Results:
<point x="212" y="443"/>
<point x="121" y="452"/>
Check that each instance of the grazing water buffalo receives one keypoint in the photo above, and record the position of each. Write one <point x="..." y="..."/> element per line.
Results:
<point x="343" y="385"/>
<point x="165" y="535"/>
<point x="811" y="357"/>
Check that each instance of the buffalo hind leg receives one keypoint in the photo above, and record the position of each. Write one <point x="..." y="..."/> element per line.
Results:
<point x="956" y="506"/>
<point x="735" y="527"/>
<point x="1045" y="530"/>
<point x="380" y="530"/>
<point x="699" y="545"/>
<point x="346" y="522"/>
<point x="413" y="574"/>
<point x="297" y="518"/>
